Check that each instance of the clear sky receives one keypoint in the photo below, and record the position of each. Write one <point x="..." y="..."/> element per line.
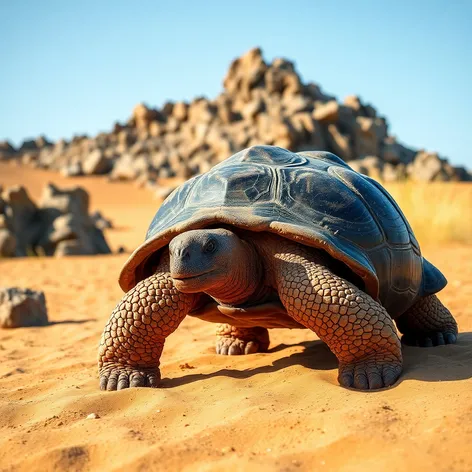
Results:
<point x="72" y="67"/>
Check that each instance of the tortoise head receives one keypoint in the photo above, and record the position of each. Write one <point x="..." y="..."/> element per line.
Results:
<point x="204" y="260"/>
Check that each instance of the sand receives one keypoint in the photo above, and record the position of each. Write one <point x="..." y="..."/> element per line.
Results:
<point x="278" y="411"/>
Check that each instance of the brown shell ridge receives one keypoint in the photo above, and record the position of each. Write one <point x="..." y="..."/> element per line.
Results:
<point x="366" y="271"/>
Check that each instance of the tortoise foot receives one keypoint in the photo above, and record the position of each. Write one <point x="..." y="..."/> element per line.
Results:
<point x="439" y="338"/>
<point x="236" y="347"/>
<point x="114" y="376"/>
<point x="233" y="341"/>
<point x="370" y="373"/>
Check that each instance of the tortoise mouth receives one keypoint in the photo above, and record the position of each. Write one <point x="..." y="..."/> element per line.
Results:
<point x="187" y="278"/>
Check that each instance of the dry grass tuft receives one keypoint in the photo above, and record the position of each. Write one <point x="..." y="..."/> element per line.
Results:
<point x="438" y="212"/>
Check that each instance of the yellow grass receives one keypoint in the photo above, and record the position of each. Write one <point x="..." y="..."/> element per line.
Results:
<point x="437" y="212"/>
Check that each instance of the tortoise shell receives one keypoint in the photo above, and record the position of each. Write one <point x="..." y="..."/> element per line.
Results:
<point x="311" y="197"/>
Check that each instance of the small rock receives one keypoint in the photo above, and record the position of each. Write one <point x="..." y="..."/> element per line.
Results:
<point x="96" y="163"/>
<point x="7" y="243"/>
<point x="100" y="221"/>
<point x="22" y="307"/>
<point x="327" y="112"/>
<point x="93" y="416"/>
<point x="186" y="366"/>
<point x="72" y="170"/>
<point x="227" y="449"/>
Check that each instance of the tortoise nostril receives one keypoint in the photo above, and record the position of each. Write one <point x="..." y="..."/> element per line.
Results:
<point x="181" y="253"/>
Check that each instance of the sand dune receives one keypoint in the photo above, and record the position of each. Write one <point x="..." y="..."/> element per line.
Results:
<point x="280" y="411"/>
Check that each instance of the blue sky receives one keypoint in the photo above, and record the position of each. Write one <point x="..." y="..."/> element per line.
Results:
<point x="73" y="67"/>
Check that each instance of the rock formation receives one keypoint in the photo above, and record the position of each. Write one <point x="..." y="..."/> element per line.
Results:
<point x="58" y="225"/>
<point x="261" y="104"/>
<point x="22" y="307"/>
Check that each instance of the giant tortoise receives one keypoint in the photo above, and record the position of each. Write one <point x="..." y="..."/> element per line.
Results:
<point x="274" y="239"/>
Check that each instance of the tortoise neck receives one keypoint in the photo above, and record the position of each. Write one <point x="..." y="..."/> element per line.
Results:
<point x="244" y="278"/>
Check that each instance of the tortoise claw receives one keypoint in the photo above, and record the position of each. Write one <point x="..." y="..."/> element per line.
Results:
<point x="370" y="374"/>
<point x="119" y="377"/>
<point x="429" y="340"/>
<point x="231" y="346"/>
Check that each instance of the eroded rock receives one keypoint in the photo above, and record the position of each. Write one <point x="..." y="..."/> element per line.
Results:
<point x="22" y="307"/>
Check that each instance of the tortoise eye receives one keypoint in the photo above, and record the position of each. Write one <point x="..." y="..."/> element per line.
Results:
<point x="210" y="246"/>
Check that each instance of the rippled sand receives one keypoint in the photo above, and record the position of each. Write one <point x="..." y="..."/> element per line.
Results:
<point x="279" y="411"/>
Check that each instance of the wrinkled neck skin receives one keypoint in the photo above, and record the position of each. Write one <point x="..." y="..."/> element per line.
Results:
<point x="244" y="283"/>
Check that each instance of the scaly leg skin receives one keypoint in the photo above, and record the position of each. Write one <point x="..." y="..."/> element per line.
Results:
<point x="133" y="339"/>
<point x="427" y="323"/>
<point x="233" y="341"/>
<point x="356" y="328"/>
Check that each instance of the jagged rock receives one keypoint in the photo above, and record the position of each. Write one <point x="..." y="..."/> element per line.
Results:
<point x="395" y="153"/>
<point x="165" y="173"/>
<point x="42" y="142"/>
<point x="370" y="165"/>
<point x="172" y="125"/>
<point x="426" y="167"/>
<point x="339" y="143"/>
<point x="201" y="111"/>
<point x="68" y="248"/>
<point x="73" y="169"/>
<point x="65" y="227"/>
<point x="462" y="174"/>
<point x="225" y="109"/>
<point x="393" y="173"/>
<point x="369" y="135"/>
<point x="22" y="308"/>
<point x="143" y="116"/>
<point x="293" y="104"/>
<point x="156" y="129"/>
<point x="262" y="103"/>
<point x="281" y="78"/>
<point x="96" y="163"/>
<point x="326" y="112"/>
<point x="124" y="168"/>
<point x="252" y="109"/>
<point x="354" y="102"/>
<point x="21" y="217"/>
<point x="62" y="201"/>
<point x="314" y="92"/>
<point x="244" y="74"/>
<point x="167" y="108"/>
<point x="5" y="146"/>
<point x="29" y="158"/>
<point x="100" y="221"/>
<point x="62" y="215"/>
<point x="6" y="150"/>
<point x="126" y="138"/>
<point x="7" y="243"/>
<point x="360" y="109"/>
<point x="310" y="135"/>
<point x="28" y="145"/>
<point x="73" y="235"/>
<point x="180" y="111"/>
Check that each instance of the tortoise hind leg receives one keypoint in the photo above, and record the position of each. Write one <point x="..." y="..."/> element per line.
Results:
<point x="427" y="323"/>
<point x="233" y="341"/>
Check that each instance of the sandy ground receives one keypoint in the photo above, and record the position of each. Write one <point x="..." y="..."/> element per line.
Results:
<point x="281" y="411"/>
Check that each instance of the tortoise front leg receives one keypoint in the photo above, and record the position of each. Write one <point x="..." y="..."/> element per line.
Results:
<point x="133" y="339"/>
<point x="357" y="329"/>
